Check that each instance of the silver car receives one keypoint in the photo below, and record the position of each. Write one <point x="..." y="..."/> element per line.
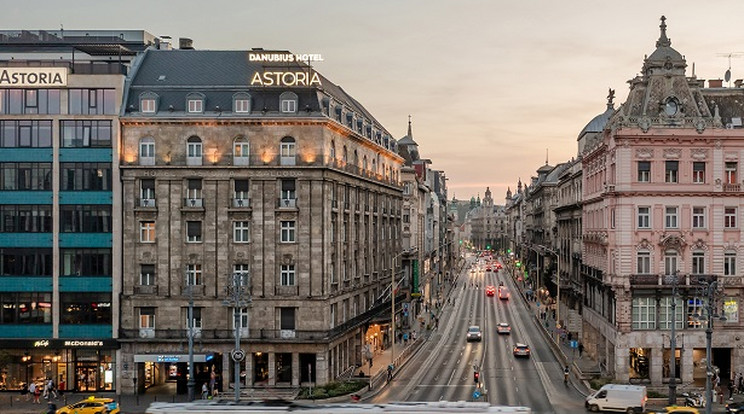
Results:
<point x="474" y="333"/>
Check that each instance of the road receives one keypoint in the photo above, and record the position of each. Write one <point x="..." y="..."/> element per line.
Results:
<point x="443" y="368"/>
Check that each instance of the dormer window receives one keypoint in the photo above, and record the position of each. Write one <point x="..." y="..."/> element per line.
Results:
<point x="288" y="102"/>
<point x="241" y="103"/>
<point x="148" y="103"/>
<point x="195" y="103"/>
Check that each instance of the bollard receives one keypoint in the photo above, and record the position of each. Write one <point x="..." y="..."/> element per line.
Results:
<point x="156" y="398"/>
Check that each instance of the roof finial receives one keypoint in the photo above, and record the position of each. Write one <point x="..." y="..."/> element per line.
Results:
<point x="410" y="133"/>
<point x="546" y="156"/>
<point x="663" y="39"/>
<point x="610" y="98"/>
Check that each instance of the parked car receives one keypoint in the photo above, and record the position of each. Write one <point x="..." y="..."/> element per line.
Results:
<point x="503" y="328"/>
<point x="474" y="333"/>
<point x="91" y="405"/>
<point x="618" y="397"/>
<point x="522" y="350"/>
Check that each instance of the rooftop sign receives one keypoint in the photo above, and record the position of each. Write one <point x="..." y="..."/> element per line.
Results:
<point x="285" y="78"/>
<point x="282" y="57"/>
<point x="33" y="77"/>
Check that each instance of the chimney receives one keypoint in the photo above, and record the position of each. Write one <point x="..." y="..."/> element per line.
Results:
<point x="185" y="43"/>
<point x="715" y="83"/>
<point x="738" y="83"/>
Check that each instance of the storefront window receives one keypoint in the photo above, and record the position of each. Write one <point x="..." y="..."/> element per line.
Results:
<point x="640" y="362"/>
<point x="667" y="368"/>
<point x="731" y="310"/>
<point x="283" y="367"/>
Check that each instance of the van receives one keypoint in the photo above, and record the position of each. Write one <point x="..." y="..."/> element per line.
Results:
<point x="617" y="397"/>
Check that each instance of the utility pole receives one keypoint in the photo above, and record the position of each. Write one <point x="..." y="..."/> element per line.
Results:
<point x="237" y="299"/>
<point x="673" y="343"/>
<point x="191" y="382"/>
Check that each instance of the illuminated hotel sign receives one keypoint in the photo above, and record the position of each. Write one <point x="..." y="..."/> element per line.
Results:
<point x="33" y="77"/>
<point x="273" y="57"/>
<point x="285" y="78"/>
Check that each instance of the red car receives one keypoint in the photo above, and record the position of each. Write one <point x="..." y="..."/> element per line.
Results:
<point x="490" y="290"/>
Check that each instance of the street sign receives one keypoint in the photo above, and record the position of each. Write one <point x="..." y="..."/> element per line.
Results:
<point x="237" y="355"/>
<point x="574" y="344"/>
<point x="476" y="394"/>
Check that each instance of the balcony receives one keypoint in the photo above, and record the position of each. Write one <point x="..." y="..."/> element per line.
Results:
<point x="287" y="203"/>
<point x="731" y="188"/>
<point x="197" y="203"/>
<point x="149" y="290"/>
<point x="666" y="281"/>
<point x="241" y="203"/>
<point x="146" y="203"/>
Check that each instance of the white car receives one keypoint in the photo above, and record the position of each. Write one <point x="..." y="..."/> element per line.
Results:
<point x="503" y="328"/>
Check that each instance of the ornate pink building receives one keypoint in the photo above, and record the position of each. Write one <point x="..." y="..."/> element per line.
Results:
<point x="662" y="203"/>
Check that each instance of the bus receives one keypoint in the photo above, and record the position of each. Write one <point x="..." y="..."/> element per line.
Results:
<point x="230" y="407"/>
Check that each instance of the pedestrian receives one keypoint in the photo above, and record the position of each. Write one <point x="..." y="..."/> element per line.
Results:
<point x="740" y="383"/>
<point x="51" y="408"/>
<point x="570" y="336"/>
<point x="212" y="383"/>
<point x="581" y="349"/>
<point x="36" y="392"/>
<point x="24" y="391"/>
<point x="390" y="372"/>
<point x="205" y="391"/>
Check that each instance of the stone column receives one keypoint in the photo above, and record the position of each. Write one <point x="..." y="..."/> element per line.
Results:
<point x="656" y="371"/>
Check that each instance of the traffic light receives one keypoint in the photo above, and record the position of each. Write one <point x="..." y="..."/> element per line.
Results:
<point x="508" y="250"/>
<point x="519" y="264"/>
<point x="476" y="376"/>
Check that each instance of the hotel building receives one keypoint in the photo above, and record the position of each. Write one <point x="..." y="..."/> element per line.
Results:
<point x="251" y="163"/>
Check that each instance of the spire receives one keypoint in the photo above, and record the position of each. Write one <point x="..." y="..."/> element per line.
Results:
<point x="410" y="132"/>
<point x="546" y="156"/>
<point x="663" y="39"/>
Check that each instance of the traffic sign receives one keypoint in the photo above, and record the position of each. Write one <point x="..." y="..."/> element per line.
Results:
<point x="476" y="394"/>
<point x="237" y="355"/>
<point x="574" y="344"/>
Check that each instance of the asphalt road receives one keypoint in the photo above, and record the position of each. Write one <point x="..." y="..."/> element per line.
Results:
<point x="443" y="368"/>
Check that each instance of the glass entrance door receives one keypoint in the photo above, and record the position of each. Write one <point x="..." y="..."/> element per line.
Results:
<point x="87" y="377"/>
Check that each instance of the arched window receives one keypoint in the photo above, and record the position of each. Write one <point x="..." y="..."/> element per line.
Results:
<point x="194" y="151"/>
<point x="288" y="102"/>
<point x="241" y="103"/>
<point x="374" y="167"/>
<point x="364" y="163"/>
<point x="241" y="151"/>
<point x="147" y="151"/>
<point x="345" y="155"/>
<point x="333" y="151"/>
<point x="356" y="159"/>
<point x="287" y="151"/>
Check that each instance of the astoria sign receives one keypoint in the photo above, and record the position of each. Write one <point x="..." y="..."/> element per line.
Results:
<point x="285" y="78"/>
<point x="33" y="77"/>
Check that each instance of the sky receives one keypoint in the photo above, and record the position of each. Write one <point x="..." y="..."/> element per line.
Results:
<point x="492" y="86"/>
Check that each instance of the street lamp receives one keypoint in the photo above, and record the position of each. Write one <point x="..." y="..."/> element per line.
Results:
<point x="673" y="342"/>
<point x="711" y="290"/>
<point x="236" y="298"/>
<point x="190" y="315"/>
<point x="392" y="307"/>
<point x="558" y="288"/>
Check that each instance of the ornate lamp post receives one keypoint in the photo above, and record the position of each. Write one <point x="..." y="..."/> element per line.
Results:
<point x="712" y="291"/>
<point x="237" y="298"/>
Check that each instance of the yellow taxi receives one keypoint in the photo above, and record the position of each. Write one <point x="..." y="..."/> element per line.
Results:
<point x="91" y="405"/>
<point x="679" y="409"/>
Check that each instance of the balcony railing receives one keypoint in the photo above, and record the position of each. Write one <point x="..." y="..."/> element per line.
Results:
<point x="146" y="202"/>
<point x="731" y="188"/>
<point x="668" y="280"/>
<point x="193" y="202"/>
<point x="241" y="202"/>
<point x="287" y="203"/>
